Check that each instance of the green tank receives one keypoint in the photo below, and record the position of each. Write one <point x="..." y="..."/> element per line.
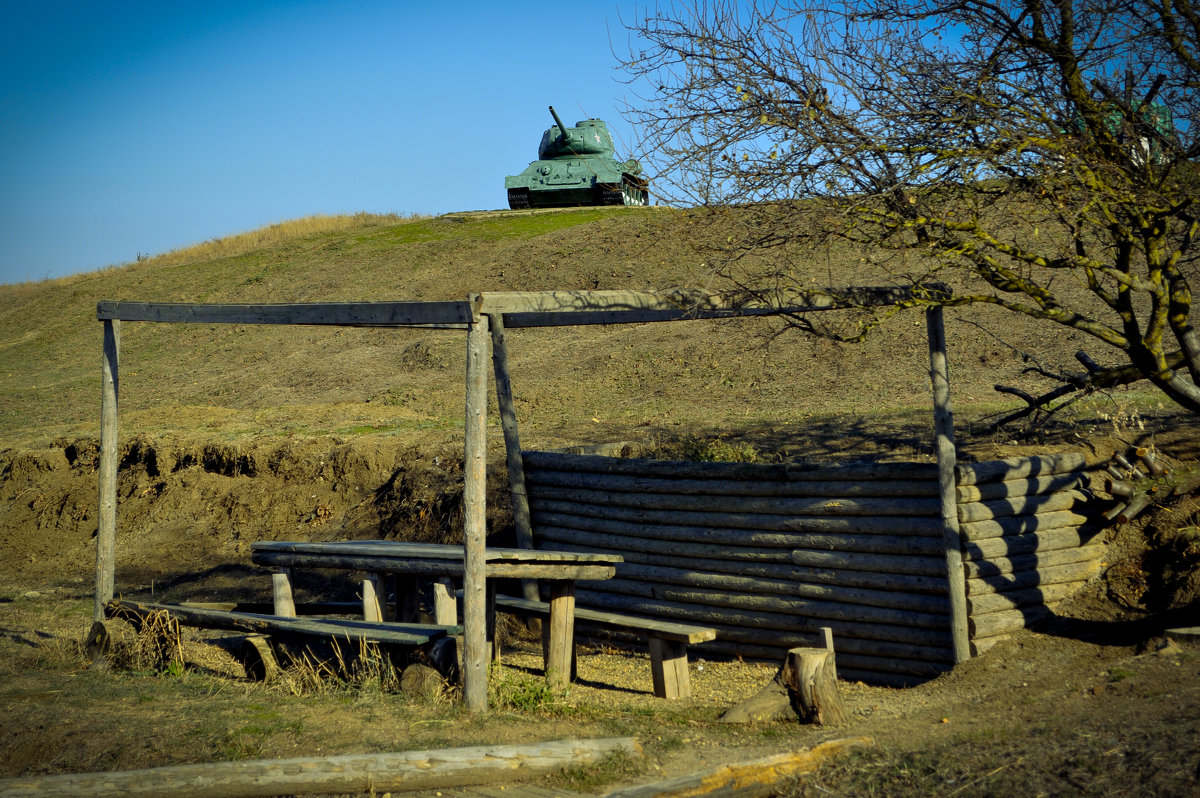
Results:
<point x="576" y="166"/>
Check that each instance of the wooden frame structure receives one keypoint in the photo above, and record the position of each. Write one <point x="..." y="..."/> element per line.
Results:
<point x="486" y="317"/>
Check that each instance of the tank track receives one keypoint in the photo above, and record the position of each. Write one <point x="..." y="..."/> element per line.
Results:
<point x="518" y="199"/>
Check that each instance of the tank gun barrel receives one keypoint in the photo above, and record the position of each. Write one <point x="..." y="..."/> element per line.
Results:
<point x="562" y="129"/>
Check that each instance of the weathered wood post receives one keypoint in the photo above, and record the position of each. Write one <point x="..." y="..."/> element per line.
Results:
<point x="106" y="530"/>
<point x="943" y="423"/>
<point x="475" y="654"/>
<point x="512" y="447"/>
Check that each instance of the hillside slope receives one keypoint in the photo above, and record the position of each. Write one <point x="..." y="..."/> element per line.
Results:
<point x="232" y="433"/>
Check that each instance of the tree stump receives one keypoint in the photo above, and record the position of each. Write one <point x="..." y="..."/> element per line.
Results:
<point x="258" y="658"/>
<point x="111" y="643"/>
<point x="805" y="687"/>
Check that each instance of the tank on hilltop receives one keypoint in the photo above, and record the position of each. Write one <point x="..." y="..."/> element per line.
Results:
<point x="577" y="166"/>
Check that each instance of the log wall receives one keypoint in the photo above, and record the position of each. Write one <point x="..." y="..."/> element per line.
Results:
<point x="769" y="554"/>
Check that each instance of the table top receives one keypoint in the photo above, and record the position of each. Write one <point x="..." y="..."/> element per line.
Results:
<point x="431" y="551"/>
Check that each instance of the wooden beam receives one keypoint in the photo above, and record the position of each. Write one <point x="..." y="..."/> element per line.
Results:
<point x="561" y="308"/>
<point x="386" y="314"/>
<point x="475" y="654"/>
<point x="350" y="773"/>
<point x="106" y="530"/>
<point x="943" y="423"/>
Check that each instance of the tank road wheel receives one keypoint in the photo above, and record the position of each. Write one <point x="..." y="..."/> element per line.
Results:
<point x="518" y="199"/>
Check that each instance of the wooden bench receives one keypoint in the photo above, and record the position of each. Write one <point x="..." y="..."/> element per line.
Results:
<point x="407" y="637"/>
<point x="668" y="640"/>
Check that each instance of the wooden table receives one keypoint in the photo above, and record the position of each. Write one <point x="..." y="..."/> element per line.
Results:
<point x="431" y="561"/>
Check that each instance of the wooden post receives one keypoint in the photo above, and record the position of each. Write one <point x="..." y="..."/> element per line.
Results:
<point x="445" y="605"/>
<point x="562" y="633"/>
<point x="281" y="589"/>
<point x="943" y="423"/>
<point x="669" y="668"/>
<point x="512" y="448"/>
<point x="106" y="531"/>
<point x="475" y="654"/>
<point x="372" y="588"/>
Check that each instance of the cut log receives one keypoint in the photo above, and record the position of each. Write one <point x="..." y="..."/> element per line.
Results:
<point x="1020" y="525"/>
<point x="1040" y="577"/>
<point x="803" y="687"/>
<point x="734" y="487"/>
<point x="353" y="773"/>
<point x="1018" y="506"/>
<point x="1000" y="566"/>
<point x="1035" y="486"/>
<point x="258" y="658"/>
<point x="110" y="642"/>
<point x="1019" y="468"/>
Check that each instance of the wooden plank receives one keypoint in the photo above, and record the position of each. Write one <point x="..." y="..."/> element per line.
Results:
<point x="622" y="483"/>
<point x="560" y="653"/>
<point x="282" y="594"/>
<point x="864" y="561"/>
<point x="512" y="447"/>
<point x="1020" y="525"/>
<point x="983" y="603"/>
<point x="947" y="459"/>
<point x="475" y="649"/>
<point x="669" y="630"/>
<point x="384" y="551"/>
<point x="877" y="544"/>
<point x="349" y="773"/>
<point x="1019" y="505"/>
<point x="1019" y="468"/>
<point x="998" y="623"/>
<point x="106" y="528"/>
<point x="745" y="563"/>
<point x="809" y="608"/>
<point x="694" y="300"/>
<point x="389" y="314"/>
<point x="760" y="472"/>
<point x="1002" y="566"/>
<point x="758" y="777"/>
<point x="1049" y="540"/>
<point x="388" y="633"/>
<point x="1035" y="486"/>
<point x="658" y="519"/>
<point x="558" y="569"/>
<point x="716" y="503"/>
<point x="669" y="669"/>
<point x="1039" y="576"/>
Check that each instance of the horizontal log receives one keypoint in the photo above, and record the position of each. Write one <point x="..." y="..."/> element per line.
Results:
<point x="1019" y="468"/>
<point x="720" y="545"/>
<point x="715" y="503"/>
<point x="910" y="667"/>
<point x="1020" y="525"/>
<point x="1035" y="486"/>
<point x="713" y="559"/>
<point x="767" y="621"/>
<point x="1003" y="566"/>
<point x="874" y="544"/>
<point x="1018" y="506"/>
<point x="498" y="569"/>
<point x="1049" y="540"/>
<point x="762" y="522"/>
<point x="389" y="314"/>
<point x="809" y="608"/>
<point x="350" y="773"/>
<point x="773" y="654"/>
<point x="660" y="575"/>
<point x="1022" y="580"/>
<point x="407" y="635"/>
<point x="862" y="561"/>
<point x="981" y="604"/>
<point x="622" y="483"/>
<point x="997" y="623"/>
<point x="878" y="679"/>
<point x="749" y="638"/>
<point x="675" y="469"/>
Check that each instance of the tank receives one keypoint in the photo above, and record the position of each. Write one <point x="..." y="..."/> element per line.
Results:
<point x="577" y="166"/>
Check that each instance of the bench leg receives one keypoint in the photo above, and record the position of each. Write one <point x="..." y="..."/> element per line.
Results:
<point x="668" y="664"/>
<point x="281" y="587"/>
<point x="374" y="597"/>
<point x="561" y="644"/>
<point x="445" y="605"/>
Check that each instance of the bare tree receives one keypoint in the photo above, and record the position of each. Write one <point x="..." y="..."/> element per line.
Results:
<point x="1036" y="155"/>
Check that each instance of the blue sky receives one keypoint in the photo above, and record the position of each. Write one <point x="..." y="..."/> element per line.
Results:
<point x="141" y="127"/>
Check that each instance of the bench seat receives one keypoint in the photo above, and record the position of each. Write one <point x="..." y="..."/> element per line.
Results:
<point x="668" y="640"/>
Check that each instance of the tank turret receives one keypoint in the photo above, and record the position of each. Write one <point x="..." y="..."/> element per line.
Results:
<point x="577" y="166"/>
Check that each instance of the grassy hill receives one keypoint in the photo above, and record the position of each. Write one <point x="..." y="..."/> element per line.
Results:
<point x="572" y="385"/>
